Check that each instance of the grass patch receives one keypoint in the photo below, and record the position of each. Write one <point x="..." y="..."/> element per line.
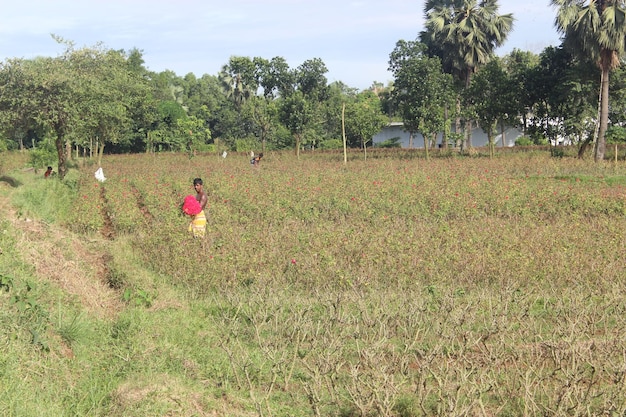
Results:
<point x="609" y="180"/>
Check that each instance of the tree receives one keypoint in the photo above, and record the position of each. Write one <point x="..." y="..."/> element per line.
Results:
<point x="311" y="81"/>
<point x="421" y="90"/>
<point x="488" y="95"/>
<point x="518" y="65"/>
<point x="297" y="114"/>
<point x="364" y="118"/>
<point x="239" y="79"/>
<point x="109" y="86"/>
<point x="41" y="92"/>
<point x="262" y="114"/>
<point x="275" y="77"/>
<point x="466" y="32"/>
<point x="616" y="135"/>
<point x="596" y="30"/>
<point x="561" y="92"/>
<point x="331" y="113"/>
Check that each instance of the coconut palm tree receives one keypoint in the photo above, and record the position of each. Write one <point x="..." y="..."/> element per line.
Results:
<point x="466" y="33"/>
<point x="595" y="29"/>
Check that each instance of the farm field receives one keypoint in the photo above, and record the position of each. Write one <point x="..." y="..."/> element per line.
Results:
<point x="394" y="286"/>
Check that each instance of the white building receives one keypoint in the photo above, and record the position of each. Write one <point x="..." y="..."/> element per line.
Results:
<point x="479" y="137"/>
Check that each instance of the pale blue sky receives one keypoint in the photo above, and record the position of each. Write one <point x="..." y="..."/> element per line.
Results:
<point x="353" y="37"/>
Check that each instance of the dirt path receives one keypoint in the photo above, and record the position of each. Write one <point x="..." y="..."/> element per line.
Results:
<point x="75" y="264"/>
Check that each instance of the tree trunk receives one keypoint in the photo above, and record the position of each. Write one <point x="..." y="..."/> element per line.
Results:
<point x="298" y="147"/>
<point x="62" y="168"/>
<point x="596" y="129"/>
<point x="468" y="123"/>
<point x="457" y="122"/>
<point x="604" y="115"/>
<point x="100" y="153"/>
<point x="426" y="145"/>
<point x="343" y="133"/>
<point x="446" y="128"/>
<point x="583" y="147"/>
<point x="68" y="150"/>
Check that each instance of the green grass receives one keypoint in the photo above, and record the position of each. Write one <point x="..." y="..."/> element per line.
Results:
<point x="393" y="287"/>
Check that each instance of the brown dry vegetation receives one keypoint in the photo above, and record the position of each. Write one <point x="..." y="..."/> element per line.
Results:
<point x="391" y="288"/>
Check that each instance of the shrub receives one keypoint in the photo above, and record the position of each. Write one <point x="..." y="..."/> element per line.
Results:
<point x="44" y="155"/>
<point x="331" y="144"/>
<point x="390" y="143"/>
<point x="524" y="141"/>
<point x="246" y="144"/>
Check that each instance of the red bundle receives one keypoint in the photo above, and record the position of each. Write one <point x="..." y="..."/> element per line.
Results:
<point x="191" y="206"/>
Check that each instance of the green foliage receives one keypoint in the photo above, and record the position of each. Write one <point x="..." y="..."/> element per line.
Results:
<point x="616" y="134"/>
<point x="594" y="32"/>
<point x="390" y="143"/>
<point x="138" y="297"/>
<point x="422" y="104"/>
<point x="524" y="141"/>
<point x="246" y="145"/>
<point x="557" y="152"/>
<point x="6" y="283"/>
<point x="44" y="155"/>
<point x="465" y="34"/>
<point x="50" y="198"/>
<point x="73" y="330"/>
<point x="329" y="144"/>
<point x="363" y="119"/>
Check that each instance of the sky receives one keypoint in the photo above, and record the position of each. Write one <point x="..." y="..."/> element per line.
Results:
<point x="352" y="37"/>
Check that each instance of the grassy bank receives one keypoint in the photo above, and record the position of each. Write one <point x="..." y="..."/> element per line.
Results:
<point x="393" y="286"/>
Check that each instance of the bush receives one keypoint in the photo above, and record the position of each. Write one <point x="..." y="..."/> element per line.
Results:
<point x="331" y="144"/>
<point x="246" y="144"/>
<point x="390" y="143"/>
<point x="44" y="155"/>
<point x="616" y="134"/>
<point x="524" y="141"/>
<point x="557" y="152"/>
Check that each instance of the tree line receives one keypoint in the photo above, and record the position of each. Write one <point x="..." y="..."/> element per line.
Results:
<point x="444" y="82"/>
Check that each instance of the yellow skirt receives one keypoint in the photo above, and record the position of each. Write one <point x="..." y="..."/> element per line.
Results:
<point x="198" y="225"/>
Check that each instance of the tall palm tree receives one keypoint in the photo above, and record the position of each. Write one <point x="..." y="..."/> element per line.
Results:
<point x="595" y="29"/>
<point x="239" y="79"/>
<point x="466" y="33"/>
<point x="233" y="86"/>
